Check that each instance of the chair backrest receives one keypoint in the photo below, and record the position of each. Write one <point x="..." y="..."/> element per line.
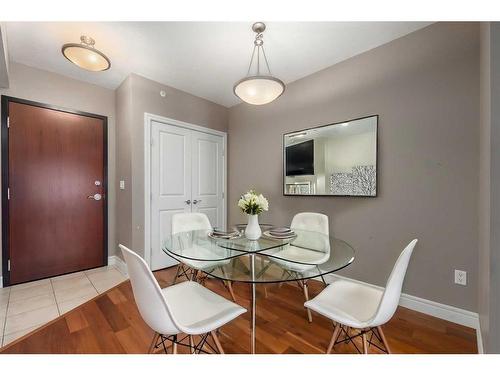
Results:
<point x="311" y="221"/>
<point x="189" y="221"/>
<point x="392" y="293"/>
<point x="148" y="296"/>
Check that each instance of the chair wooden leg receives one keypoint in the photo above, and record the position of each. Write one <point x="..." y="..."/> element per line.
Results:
<point x="384" y="340"/>
<point x="191" y="343"/>
<point x="306" y="296"/>
<point x="176" y="273"/>
<point x="228" y="284"/>
<point x="336" y="333"/>
<point x="365" y="344"/>
<point x="174" y="348"/>
<point x="194" y="275"/>
<point x="217" y="342"/>
<point x="153" y="342"/>
<point x="231" y="291"/>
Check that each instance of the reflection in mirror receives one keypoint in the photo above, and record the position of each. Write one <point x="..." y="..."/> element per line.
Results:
<point x="337" y="159"/>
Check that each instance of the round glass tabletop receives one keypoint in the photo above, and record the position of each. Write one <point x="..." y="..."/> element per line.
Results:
<point x="267" y="260"/>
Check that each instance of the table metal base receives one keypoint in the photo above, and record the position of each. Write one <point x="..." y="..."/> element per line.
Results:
<point x="252" y="308"/>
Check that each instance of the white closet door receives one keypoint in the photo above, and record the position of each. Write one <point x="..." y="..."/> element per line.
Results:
<point x="208" y="177"/>
<point x="171" y="154"/>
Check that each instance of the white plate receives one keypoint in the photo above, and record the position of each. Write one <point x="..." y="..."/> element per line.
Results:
<point x="224" y="237"/>
<point x="269" y="235"/>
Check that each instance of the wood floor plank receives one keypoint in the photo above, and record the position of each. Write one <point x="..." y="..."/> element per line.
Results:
<point x="111" y="323"/>
<point x="112" y="313"/>
<point x="76" y="321"/>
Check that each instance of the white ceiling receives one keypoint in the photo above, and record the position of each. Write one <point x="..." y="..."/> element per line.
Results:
<point x="202" y="58"/>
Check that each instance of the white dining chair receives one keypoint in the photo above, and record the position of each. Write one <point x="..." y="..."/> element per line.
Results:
<point x="361" y="307"/>
<point x="194" y="221"/>
<point x="185" y="308"/>
<point x="302" y="249"/>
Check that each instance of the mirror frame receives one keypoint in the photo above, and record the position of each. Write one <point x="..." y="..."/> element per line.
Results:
<point x="283" y="166"/>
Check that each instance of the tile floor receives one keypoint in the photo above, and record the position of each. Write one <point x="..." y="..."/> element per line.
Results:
<point x="25" y="307"/>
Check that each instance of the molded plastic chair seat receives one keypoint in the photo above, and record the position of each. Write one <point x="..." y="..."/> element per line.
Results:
<point x="194" y="221"/>
<point x="199" y="310"/>
<point x="187" y="308"/>
<point x="347" y="303"/>
<point x="361" y="306"/>
<point x="291" y="254"/>
<point x="309" y="247"/>
<point x="196" y="251"/>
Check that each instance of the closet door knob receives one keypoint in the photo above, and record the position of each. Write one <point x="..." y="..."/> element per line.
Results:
<point x="196" y="201"/>
<point x="188" y="201"/>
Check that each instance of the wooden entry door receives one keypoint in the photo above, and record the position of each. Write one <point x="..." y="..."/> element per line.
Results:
<point x="56" y="191"/>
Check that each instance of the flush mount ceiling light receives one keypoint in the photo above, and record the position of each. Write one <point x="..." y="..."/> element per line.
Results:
<point x="257" y="88"/>
<point x="85" y="56"/>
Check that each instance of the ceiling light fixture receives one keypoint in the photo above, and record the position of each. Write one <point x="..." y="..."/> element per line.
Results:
<point x="257" y="88"/>
<point x="85" y="56"/>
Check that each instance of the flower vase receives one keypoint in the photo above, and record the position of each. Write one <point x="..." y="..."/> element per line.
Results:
<point x="252" y="230"/>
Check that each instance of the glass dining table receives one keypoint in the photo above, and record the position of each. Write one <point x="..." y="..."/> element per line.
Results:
<point x="305" y="256"/>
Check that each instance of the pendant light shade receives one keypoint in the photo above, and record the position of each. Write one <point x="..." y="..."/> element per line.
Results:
<point x="85" y="56"/>
<point x="257" y="88"/>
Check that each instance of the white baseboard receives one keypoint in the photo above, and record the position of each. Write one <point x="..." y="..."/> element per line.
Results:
<point x="1" y="282"/>
<point x="116" y="261"/>
<point x="436" y="309"/>
<point x="479" y="335"/>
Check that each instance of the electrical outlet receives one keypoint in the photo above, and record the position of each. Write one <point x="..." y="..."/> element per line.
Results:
<point x="122" y="185"/>
<point x="460" y="277"/>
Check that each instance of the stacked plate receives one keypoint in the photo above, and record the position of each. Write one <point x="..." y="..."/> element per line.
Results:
<point x="219" y="234"/>
<point x="280" y="233"/>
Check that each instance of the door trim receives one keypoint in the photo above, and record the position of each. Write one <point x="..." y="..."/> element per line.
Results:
<point x="5" y="100"/>
<point x="148" y="119"/>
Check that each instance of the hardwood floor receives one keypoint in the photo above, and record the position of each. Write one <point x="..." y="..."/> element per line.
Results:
<point x="111" y="323"/>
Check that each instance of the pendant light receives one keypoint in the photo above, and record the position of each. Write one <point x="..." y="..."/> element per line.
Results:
<point x="258" y="88"/>
<point x="85" y="56"/>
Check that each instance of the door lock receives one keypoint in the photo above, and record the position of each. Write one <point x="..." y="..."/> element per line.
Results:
<point x="96" y="197"/>
<point x="196" y="201"/>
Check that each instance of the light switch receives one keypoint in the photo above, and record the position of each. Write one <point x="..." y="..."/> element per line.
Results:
<point x="122" y="185"/>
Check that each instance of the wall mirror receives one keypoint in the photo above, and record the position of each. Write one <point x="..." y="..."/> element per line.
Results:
<point x="338" y="159"/>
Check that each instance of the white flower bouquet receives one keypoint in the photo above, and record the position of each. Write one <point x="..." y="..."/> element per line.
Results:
<point x="252" y="203"/>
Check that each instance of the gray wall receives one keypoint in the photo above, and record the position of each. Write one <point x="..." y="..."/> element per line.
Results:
<point x="484" y="184"/>
<point x="42" y="86"/>
<point x="489" y="185"/>
<point x="4" y="60"/>
<point x="124" y="163"/>
<point x="494" y="302"/>
<point x="425" y="87"/>
<point x="144" y="96"/>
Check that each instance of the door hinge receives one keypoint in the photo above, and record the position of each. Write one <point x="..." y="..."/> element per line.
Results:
<point x="8" y="193"/>
<point x="8" y="265"/>
<point x="8" y="122"/>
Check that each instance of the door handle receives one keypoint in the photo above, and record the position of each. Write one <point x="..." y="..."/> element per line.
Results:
<point x="188" y="201"/>
<point x="96" y="197"/>
<point x="196" y="201"/>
